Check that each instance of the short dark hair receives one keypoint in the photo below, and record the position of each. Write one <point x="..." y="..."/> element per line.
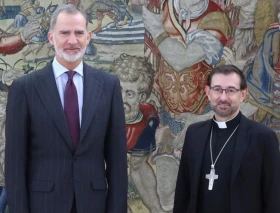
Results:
<point x="227" y="70"/>
<point x="69" y="9"/>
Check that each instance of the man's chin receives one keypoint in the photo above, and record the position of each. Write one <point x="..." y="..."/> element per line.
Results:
<point x="71" y="59"/>
<point x="72" y="56"/>
<point x="225" y="113"/>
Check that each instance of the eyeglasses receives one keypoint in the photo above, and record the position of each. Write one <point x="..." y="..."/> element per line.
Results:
<point x="228" y="91"/>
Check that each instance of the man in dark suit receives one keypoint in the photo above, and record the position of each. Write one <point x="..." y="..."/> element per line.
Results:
<point x="228" y="163"/>
<point x="66" y="139"/>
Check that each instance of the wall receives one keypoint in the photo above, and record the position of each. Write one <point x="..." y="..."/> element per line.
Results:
<point x="180" y="54"/>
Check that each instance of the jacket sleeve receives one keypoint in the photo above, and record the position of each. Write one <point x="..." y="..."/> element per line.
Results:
<point x="271" y="174"/>
<point x="115" y="155"/>
<point x="182" y="190"/>
<point x="16" y="151"/>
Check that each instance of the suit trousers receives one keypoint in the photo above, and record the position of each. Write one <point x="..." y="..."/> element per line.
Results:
<point x="74" y="208"/>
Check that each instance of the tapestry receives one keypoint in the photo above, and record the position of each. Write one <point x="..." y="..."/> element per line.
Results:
<point x="162" y="52"/>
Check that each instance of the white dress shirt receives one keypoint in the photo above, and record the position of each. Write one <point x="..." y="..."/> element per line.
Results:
<point x="61" y="79"/>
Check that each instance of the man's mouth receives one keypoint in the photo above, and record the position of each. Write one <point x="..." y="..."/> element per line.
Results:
<point x="72" y="49"/>
<point x="223" y="105"/>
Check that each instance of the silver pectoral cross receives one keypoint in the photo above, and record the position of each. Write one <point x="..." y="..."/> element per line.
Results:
<point x="211" y="177"/>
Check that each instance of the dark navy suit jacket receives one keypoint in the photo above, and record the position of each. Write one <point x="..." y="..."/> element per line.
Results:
<point x="43" y="172"/>
<point x="255" y="174"/>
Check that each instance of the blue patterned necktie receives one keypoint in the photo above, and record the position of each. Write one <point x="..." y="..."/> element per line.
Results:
<point x="71" y="109"/>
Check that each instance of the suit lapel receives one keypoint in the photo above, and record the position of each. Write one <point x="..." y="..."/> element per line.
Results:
<point x="47" y="90"/>
<point x="200" y="144"/>
<point x="241" y="144"/>
<point x="92" y="92"/>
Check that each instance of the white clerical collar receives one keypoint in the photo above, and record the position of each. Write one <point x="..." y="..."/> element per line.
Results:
<point x="223" y="124"/>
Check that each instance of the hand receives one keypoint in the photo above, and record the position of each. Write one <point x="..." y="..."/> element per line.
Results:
<point x="152" y="22"/>
<point x="30" y="30"/>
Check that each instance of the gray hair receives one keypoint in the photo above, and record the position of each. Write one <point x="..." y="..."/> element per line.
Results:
<point x="69" y="9"/>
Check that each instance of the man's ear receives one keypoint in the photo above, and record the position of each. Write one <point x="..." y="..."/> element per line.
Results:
<point x="207" y="90"/>
<point x="89" y="34"/>
<point x="143" y="97"/>
<point x="244" y="94"/>
<point x="50" y="37"/>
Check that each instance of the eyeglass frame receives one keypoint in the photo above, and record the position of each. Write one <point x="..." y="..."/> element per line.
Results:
<point x="220" y="90"/>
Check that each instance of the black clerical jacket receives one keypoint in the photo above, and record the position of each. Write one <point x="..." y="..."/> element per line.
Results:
<point x="255" y="175"/>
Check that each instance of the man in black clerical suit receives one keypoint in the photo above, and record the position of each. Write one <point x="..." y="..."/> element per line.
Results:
<point x="229" y="163"/>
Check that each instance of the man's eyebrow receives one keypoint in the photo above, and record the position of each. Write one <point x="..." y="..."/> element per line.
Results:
<point x="79" y="31"/>
<point x="76" y="31"/>
<point x="63" y="31"/>
<point x="232" y="87"/>
<point x="226" y="87"/>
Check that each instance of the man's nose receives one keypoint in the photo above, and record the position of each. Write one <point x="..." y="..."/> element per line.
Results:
<point x="72" y="39"/>
<point x="223" y="95"/>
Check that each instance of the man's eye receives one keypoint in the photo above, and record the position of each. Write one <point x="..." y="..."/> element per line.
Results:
<point x="217" y="89"/>
<point x="80" y="33"/>
<point x="230" y="90"/>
